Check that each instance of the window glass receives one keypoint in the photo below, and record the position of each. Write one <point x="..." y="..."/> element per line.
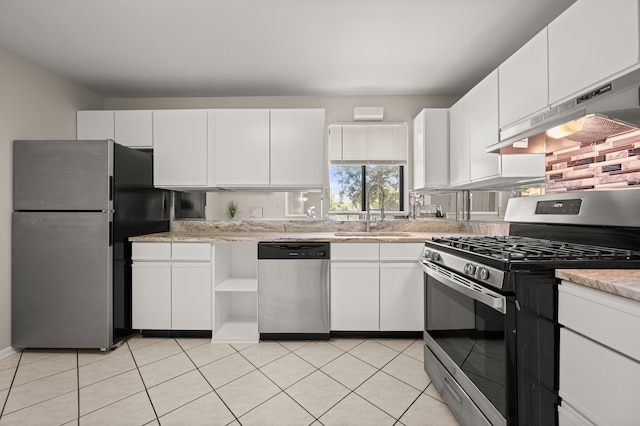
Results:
<point x="347" y="192"/>
<point x="388" y="177"/>
<point x="346" y="187"/>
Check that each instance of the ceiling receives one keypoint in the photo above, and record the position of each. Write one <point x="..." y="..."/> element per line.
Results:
<point x="157" y="48"/>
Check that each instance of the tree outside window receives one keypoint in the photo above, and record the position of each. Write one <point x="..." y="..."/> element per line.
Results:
<point x="347" y="182"/>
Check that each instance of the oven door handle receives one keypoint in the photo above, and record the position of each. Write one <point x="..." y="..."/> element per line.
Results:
<point x="465" y="286"/>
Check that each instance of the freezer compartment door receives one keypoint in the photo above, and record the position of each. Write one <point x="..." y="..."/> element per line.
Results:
<point x="62" y="289"/>
<point x="63" y="175"/>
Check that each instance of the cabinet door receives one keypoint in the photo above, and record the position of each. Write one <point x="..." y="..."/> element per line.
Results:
<point x="355" y="251"/>
<point x="151" y="295"/>
<point x="355" y="296"/>
<point x="589" y="43"/>
<point x="601" y="384"/>
<point x="95" y="125"/>
<point x="524" y="81"/>
<point x="483" y="128"/>
<point x="180" y="148"/>
<point x="298" y="148"/>
<point x="191" y="296"/>
<point x="419" y="142"/>
<point x="134" y="128"/>
<point x="436" y="147"/>
<point x="401" y="297"/>
<point x="402" y="252"/>
<point x="459" y="143"/>
<point x="242" y="147"/>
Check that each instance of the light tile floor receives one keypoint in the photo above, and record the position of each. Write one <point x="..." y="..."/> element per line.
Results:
<point x="154" y="381"/>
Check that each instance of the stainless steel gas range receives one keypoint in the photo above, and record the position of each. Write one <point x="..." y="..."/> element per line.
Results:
<point x="491" y="333"/>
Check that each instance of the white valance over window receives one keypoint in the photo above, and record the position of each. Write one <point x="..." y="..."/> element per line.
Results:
<point x="368" y="143"/>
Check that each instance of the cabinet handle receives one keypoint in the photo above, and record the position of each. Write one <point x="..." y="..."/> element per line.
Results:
<point x="453" y="392"/>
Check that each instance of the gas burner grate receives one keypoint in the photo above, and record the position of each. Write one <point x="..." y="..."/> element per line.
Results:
<point x="512" y="248"/>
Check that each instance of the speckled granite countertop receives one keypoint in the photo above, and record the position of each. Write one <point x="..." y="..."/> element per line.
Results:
<point x="622" y="282"/>
<point x="414" y="230"/>
<point x="204" y="236"/>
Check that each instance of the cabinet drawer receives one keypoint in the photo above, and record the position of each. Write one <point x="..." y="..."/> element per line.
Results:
<point x="599" y="383"/>
<point x="603" y="317"/>
<point x="401" y="251"/>
<point x="191" y="251"/>
<point x="151" y="251"/>
<point x="355" y="251"/>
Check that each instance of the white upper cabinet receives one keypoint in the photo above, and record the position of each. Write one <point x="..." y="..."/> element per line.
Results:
<point x="459" y="143"/>
<point x="431" y="148"/>
<point x="474" y="126"/>
<point x="298" y="148"/>
<point x="129" y="128"/>
<point x="363" y="143"/>
<point x="590" y="43"/>
<point x="134" y="128"/>
<point x="524" y="81"/>
<point x="242" y="148"/>
<point x="483" y="127"/>
<point x="95" y="125"/>
<point x="180" y="148"/>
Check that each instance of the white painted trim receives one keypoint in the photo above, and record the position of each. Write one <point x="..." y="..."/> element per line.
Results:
<point x="7" y="352"/>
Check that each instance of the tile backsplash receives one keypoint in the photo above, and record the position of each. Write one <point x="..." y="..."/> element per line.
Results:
<point x="611" y="164"/>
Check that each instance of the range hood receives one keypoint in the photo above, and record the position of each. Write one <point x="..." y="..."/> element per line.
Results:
<point x="609" y="110"/>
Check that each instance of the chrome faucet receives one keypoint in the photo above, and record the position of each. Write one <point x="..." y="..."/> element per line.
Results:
<point x="371" y="188"/>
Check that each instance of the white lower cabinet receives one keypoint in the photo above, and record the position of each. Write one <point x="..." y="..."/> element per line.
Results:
<point x="401" y="300"/>
<point x="151" y="295"/>
<point x="355" y="296"/>
<point x="599" y="358"/>
<point x="376" y="287"/>
<point x="191" y="296"/>
<point x="171" y="286"/>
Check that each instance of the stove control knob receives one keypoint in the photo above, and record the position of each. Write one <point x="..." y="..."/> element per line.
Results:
<point x="435" y="256"/>
<point x="483" y="273"/>
<point x="470" y="269"/>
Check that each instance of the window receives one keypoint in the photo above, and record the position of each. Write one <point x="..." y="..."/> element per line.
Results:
<point x="347" y="183"/>
<point x="363" y="156"/>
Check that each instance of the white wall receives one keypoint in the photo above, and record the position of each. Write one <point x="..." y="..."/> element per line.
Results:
<point x="338" y="109"/>
<point x="34" y="104"/>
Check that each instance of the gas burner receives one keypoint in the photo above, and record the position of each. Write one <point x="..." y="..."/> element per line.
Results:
<point x="525" y="249"/>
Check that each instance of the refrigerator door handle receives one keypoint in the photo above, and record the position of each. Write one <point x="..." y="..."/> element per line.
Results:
<point x="111" y="188"/>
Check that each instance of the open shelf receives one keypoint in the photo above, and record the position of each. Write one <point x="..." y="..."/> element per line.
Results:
<point x="238" y="284"/>
<point x="238" y="330"/>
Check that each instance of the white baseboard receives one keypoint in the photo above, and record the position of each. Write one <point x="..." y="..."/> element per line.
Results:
<point x="6" y="352"/>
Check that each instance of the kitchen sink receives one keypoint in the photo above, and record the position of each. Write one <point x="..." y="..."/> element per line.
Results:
<point x="372" y="234"/>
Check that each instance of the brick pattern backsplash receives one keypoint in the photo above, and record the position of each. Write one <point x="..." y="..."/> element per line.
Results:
<point x="611" y="164"/>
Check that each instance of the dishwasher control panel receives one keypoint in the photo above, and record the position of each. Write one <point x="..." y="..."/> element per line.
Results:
<point x="302" y="250"/>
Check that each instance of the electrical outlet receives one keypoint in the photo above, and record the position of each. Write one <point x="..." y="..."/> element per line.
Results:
<point x="255" y="211"/>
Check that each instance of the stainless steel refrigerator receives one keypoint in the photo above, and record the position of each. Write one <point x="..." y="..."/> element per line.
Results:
<point x="75" y="203"/>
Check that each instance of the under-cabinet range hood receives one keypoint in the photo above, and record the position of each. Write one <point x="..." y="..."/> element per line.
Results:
<point x="611" y="109"/>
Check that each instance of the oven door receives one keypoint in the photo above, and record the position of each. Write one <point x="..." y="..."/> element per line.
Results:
<point x="466" y="329"/>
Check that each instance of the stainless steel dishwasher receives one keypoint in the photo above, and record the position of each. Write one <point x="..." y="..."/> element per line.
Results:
<point x="293" y="290"/>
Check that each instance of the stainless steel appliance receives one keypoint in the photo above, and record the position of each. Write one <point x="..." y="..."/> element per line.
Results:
<point x="608" y="110"/>
<point x="75" y="205"/>
<point x="491" y="332"/>
<point x="293" y="290"/>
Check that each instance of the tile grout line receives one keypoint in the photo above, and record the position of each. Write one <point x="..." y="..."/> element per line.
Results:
<point x="278" y="386"/>
<point x="15" y="373"/>
<point x="213" y="389"/>
<point x="143" y="383"/>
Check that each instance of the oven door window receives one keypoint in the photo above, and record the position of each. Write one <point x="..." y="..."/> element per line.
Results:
<point x="472" y="335"/>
